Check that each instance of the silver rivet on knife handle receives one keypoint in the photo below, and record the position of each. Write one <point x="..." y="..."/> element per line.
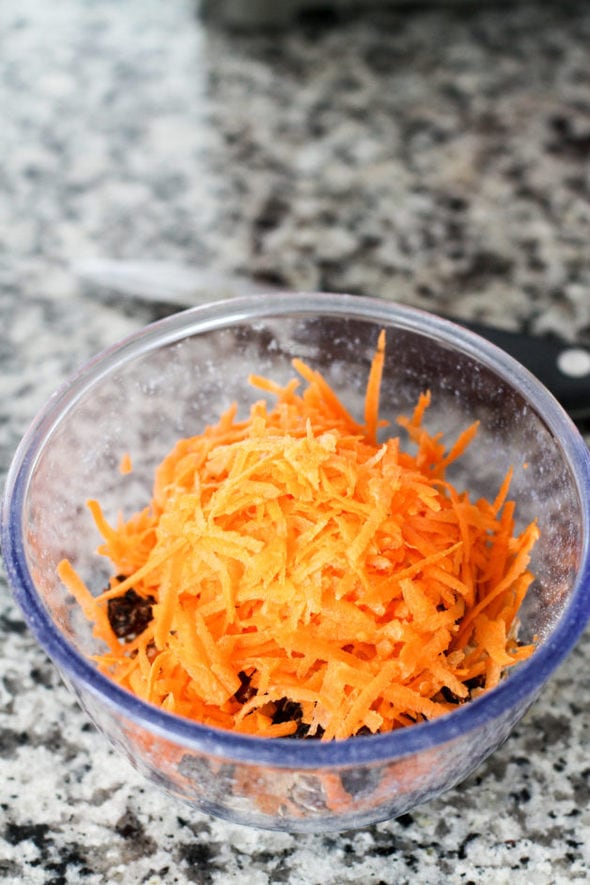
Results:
<point x="574" y="362"/>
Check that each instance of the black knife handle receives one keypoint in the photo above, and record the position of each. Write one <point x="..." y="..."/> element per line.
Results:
<point x="562" y="367"/>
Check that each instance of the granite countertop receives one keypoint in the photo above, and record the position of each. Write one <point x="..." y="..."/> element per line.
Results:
<point x="438" y="157"/>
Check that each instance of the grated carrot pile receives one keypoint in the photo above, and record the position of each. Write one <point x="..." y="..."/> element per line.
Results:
<point x="298" y="578"/>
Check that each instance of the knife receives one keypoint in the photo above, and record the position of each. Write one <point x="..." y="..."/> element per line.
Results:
<point x="563" y="368"/>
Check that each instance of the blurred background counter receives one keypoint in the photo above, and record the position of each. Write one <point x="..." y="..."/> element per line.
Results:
<point x="436" y="156"/>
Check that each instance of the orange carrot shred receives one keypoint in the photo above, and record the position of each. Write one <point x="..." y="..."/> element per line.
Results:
<point x="373" y="390"/>
<point x="125" y="464"/>
<point x="303" y="579"/>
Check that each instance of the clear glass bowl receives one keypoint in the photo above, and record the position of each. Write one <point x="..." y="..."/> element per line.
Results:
<point x="175" y="376"/>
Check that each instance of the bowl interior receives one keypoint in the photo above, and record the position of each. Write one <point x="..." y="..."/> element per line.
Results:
<point x="144" y="400"/>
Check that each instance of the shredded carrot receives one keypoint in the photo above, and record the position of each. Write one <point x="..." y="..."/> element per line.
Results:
<point x="303" y="578"/>
<point x="125" y="464"/>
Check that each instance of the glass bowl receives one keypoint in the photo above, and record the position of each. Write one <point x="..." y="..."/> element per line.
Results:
<point x="174" y="377"/>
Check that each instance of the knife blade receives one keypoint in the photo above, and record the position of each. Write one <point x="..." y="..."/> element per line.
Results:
<point x="563" y="368"/>
<point x="166" y="282"/>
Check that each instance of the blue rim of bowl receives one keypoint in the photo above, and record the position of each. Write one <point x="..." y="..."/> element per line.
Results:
<point x="519" y="689"/>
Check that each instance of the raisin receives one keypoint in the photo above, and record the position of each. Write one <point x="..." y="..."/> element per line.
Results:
<point x="129" y="614"/>
<point x="287" y="710"/>
<point x="246" y="691"/>
<point x="450" y="696"/>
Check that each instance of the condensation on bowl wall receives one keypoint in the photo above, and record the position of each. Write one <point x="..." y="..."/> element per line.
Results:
<point x="171" y="379"/>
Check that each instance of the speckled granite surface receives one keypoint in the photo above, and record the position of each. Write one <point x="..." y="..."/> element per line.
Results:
<point x="438" y="158"/>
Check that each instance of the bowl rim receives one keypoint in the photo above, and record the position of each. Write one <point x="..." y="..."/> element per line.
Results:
<point x="519" y="689"/>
